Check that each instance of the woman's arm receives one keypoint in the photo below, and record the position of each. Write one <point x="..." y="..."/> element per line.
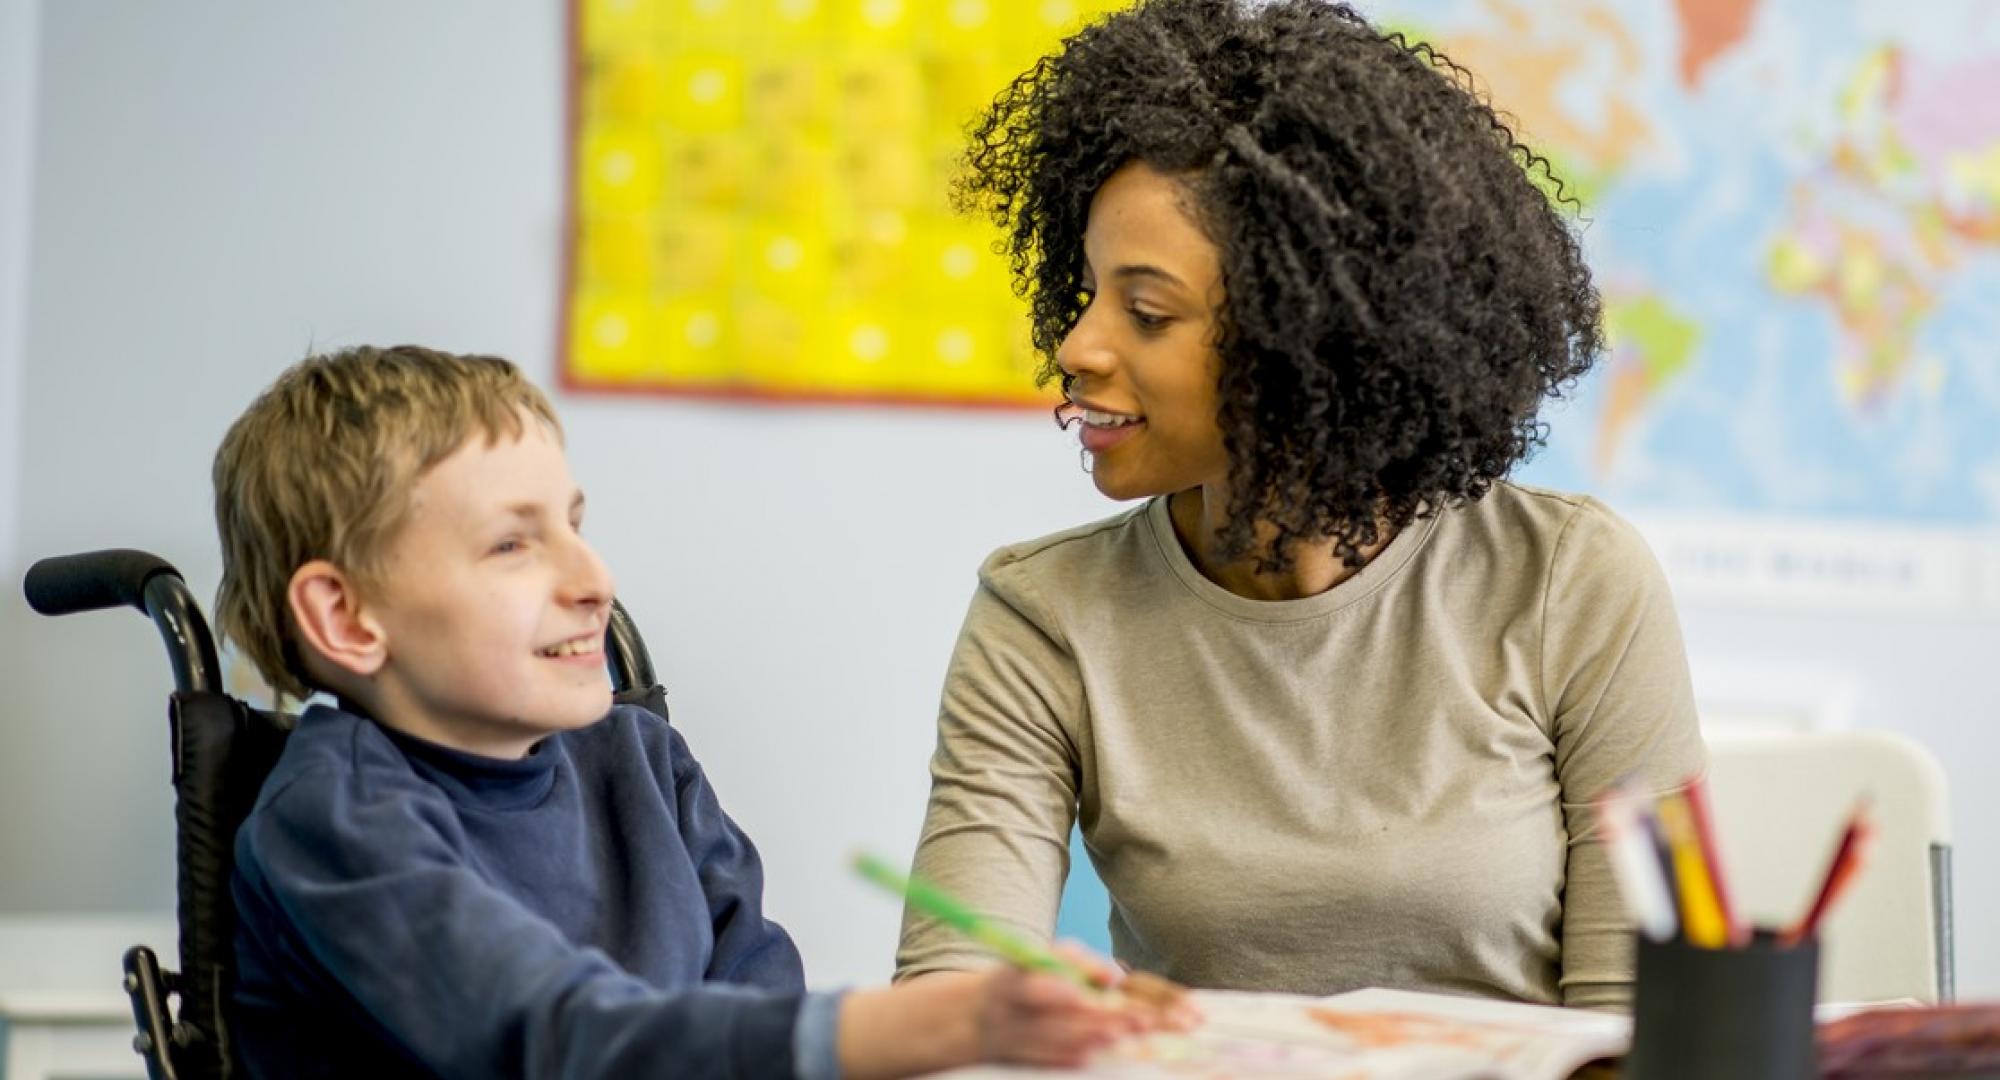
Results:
<point x="1615" y="681"/>
<point x="1005" y="774"/>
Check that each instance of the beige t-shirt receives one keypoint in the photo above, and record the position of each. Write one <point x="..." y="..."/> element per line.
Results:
<point x="1387" y="784"/>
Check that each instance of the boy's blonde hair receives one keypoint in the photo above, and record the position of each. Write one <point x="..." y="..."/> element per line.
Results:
<point x="321" y="467"/>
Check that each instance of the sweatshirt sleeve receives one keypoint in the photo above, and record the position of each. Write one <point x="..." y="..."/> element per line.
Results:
<point x="1004" y="777"/>
<point x="369" y="880"/>
<point x="1615" y="680"/>
<point x="749" y="948"/>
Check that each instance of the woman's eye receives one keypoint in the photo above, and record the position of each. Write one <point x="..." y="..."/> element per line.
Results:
<point x="1146" y="320"/>
<point x="507" y="546"/>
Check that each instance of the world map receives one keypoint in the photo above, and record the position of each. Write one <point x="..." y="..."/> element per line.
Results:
<point x="1793" y="211"/>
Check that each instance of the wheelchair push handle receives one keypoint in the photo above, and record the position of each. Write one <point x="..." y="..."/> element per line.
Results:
<point x="122" y="577"/>
<point x="93" y="580"/>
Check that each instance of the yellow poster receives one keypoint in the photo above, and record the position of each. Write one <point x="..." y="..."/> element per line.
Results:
<point x="759" y="199"/>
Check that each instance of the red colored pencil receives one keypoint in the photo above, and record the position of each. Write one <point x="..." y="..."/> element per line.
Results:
<point x="1839" y="874"/>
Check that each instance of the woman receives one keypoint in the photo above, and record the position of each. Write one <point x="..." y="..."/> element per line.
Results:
<point x="1332" y="704"/>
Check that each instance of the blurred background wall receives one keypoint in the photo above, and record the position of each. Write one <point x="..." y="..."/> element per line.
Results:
<point x="18" y="53"/>
<point x="194" y="195"/>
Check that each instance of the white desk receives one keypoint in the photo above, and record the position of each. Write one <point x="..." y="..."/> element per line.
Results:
<point x="63" y="1009"/>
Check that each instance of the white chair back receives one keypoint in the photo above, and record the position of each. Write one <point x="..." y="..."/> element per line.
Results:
<point x="1780" y="803"/>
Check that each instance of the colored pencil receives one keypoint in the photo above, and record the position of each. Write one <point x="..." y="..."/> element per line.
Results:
<point x="1648" y="817"/>
<point x="1840" y="873"/>
<point x="947" y="909"/>
<point x="1736" y="929"/>
<point x="1701" y="916"/>
<point x="1628" y="847"/>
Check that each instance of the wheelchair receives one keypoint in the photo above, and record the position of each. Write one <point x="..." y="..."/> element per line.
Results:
<point x="222" y="750"/>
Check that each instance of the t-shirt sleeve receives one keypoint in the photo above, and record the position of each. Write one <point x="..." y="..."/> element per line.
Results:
<point x="1003" y="777"/>
<point x="369" y="881"/>
<point x="1615" y="680"/>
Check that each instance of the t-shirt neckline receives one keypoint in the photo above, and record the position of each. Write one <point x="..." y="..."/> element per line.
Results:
<point x="1379" y="571"/>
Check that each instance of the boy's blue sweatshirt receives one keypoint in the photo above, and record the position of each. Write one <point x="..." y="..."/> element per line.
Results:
<point x="406" y="909"/>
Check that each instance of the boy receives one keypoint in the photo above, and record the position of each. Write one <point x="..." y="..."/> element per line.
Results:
<point x="474" y="865"/>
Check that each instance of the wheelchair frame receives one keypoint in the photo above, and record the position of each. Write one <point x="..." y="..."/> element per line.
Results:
<point x="222" y="750"/>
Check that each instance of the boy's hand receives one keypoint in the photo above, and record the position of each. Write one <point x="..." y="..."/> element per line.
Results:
<point x="1040" y="1019"/>
<point x="1163" y="1003"/>
<point x="1157" y="1003"/>
<point x="1004" y="1014"/>
<point x="1031" y="1018"/>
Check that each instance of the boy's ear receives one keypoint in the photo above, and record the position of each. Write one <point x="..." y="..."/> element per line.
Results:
<point x="326" y="609"/>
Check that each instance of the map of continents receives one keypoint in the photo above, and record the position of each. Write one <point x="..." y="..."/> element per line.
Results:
<point x="1793" y="207"/>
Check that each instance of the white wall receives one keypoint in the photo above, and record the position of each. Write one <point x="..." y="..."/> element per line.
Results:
<point x="220" y="185"/>
<point x="17" y="111"/>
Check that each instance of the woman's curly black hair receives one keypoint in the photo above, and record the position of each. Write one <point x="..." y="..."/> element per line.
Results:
<point x="1400" y="295"/>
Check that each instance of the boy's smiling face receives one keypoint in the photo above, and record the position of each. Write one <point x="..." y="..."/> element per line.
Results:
<point x="490" y="607"/>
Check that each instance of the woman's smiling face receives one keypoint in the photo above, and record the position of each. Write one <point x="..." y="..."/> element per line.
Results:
<point x="1141" y="359"/>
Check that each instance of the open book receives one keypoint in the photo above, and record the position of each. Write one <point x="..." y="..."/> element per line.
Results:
<point x="1363" y="1035"/>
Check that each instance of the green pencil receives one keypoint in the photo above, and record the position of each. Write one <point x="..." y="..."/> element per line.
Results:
<point x="947" y="909"/>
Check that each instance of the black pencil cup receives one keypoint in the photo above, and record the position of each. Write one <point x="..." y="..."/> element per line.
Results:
<point x="1724" y="1014"/>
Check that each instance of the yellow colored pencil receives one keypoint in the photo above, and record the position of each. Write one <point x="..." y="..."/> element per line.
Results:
<point x="1702" y="921"/>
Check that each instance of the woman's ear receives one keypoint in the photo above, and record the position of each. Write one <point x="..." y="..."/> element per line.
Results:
<point x="332" y="625"/>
